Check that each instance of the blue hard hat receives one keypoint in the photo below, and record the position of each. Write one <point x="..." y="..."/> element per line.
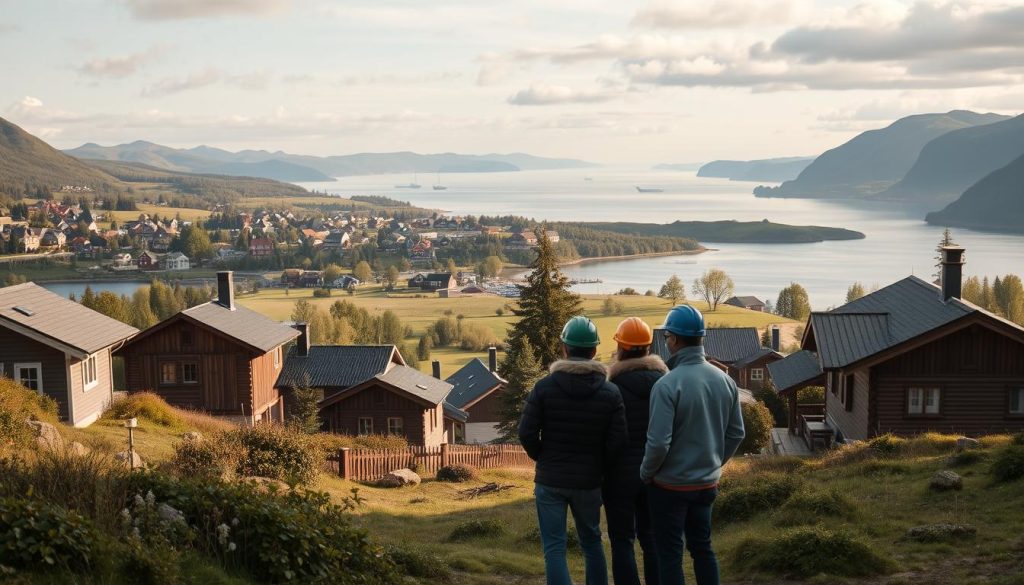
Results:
<point x="684" y="321"/>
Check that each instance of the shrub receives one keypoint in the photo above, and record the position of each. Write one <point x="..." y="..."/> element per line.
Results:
<point x="758" y="423"/>
<point x="321" y="292"/>
<point x="146" y="406"/>
<point x="1008" y="464"/>
<point x="1017" y="439"/>
<point x="445" y="331"/>
<point x="887" y="444"/>
<point x="473" y="529"/>
<point x="572" y="538"/>
<point x="808" y="507"/>
<point x="39" y="536"/>
<point x="808" y="551"/>
<point x="330" y="442"/>
<point x="208" y="459"/>
<point x="776" y="405"/>
<point x="476" y="337"/>
<point x="275" y="452"/>
<point x="499" y="312"/>
<point x="417" y="563"/>
<point x="456" y="473"/>
<point x="742" y="502"/>
<point x="965" y="458"/>
<point x="18" y="403"/>
<point x="811" y="395"/>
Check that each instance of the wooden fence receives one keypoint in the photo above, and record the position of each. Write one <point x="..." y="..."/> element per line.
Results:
<point x="373" y="464"/>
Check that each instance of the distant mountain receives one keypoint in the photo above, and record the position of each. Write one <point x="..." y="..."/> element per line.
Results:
<point x="303" y="168"/>
<point x="28" y="164"/>
<point x="677" y="167"/>
<point x="996" y="203"/>
<point x="775" y="170"/>
<point x="875" y="160"/>
<point x="953" y="162"/>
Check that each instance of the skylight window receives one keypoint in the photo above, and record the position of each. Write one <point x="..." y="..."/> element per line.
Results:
<point x="25" y="311"/>
<point x="421" y="386"/>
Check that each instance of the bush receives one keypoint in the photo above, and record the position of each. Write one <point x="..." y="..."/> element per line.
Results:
<point x="330" y="442"/>
<point x="319" y="293"/>
<point x="612" y="306"/>
<point x="445" y="331"/>
<point x="765" y="492"/>
<point x="1008" y="464"/>
<point x="456" y="473"/>
<point x="1017" y="439"/>
<point x="965" y="458"/>
<point x="146" y="406"/>
<point x="210" y="459"/>
<point x="758" y="423"/>
<point x="473" y="529"/>
<point x="499" y="312"/>
<point x="38" y="536"/>
<point x="275" y="452"/>
<point x="18" y="403"/>
<point x="476" y="337"/>
<point x="811" y="395"/>
<point x="805" y="552"/>
<point x="572" y="538"/>
<point x="417" y="563"/>
<point x="887" y="444"/>
<point x="808" y="507"/>
<point x="776" y="405"/>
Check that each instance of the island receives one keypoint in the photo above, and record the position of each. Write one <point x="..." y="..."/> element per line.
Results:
<point x="733" y="232"/>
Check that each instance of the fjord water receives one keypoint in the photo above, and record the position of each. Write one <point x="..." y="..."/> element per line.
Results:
<point x="898" y="242"/>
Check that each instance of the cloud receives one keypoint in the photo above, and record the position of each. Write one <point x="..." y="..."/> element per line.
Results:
<point x="546" y="95"/>
<point x="255" y="80"/>
<point x="711" y="14"/>
<point x="186" y="9"/>
<point x="119" y="67"/>
<point x="6" y="28"/>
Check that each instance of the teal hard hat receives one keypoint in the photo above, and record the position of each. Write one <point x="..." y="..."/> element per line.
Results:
<point x="684" y="321"/>
<point x="580" y="332"/>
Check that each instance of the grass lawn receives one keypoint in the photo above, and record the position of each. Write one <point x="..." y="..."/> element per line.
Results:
<point x="419" y="313"/>
<point x="187" y="214"/>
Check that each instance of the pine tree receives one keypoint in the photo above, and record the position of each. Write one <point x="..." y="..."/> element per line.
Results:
<point x="946" y="240"/>
<point x="521" y="371"/>
<point x="304" y="414"/>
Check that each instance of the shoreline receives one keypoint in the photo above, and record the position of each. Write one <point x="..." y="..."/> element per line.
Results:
<point x="578" y="261"/>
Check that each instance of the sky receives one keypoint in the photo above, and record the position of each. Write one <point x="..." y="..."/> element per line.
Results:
<point x="616" y="82"/>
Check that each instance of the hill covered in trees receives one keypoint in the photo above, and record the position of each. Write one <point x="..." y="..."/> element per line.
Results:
<point x="758" y="232"/>
<point x="775" y="170"/>
<point x="995" y="203"/>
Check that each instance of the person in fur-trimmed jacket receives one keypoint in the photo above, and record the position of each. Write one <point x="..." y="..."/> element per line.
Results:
<point x="574" y="427"/>
<point x="634" y="372"/>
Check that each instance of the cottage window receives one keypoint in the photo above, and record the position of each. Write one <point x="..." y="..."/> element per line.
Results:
<point x="1017" y="401"/>
<point x="849" y="384"/>
<point x="89" y="373"/>
<point x="460" y="432"/>
<point x="29" y="376"/>
<point x="168" y="373"/>
<point x="190" y="373"/>
<point x="396" y="426"/>
<point x="365" y="425"/>
<point x="756" y="374"/>
<point x="923" y="400"/>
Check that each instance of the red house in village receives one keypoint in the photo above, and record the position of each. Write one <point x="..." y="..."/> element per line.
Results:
<point x="261" y="247"/>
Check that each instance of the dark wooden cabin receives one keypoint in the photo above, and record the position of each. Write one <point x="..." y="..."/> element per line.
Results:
<point x="737" y="350"/>
<point x="216" y="357"/>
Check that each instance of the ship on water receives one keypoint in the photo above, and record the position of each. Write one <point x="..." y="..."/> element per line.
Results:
<point x="437" y="184"/>
<point x="648" y="189"/>
<point x="412" y="185"/>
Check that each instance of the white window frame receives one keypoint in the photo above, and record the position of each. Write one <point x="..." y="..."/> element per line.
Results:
<point x="184" y="378"/>
<point x="401" y="425"/>
<point x="756" y="374"/>
<point x="29" y="365"/>
<point x="89" y="366"/>
<point x="359" y="426"/>
<point x="921" y="396"/>
<point x="1019" y="392"/>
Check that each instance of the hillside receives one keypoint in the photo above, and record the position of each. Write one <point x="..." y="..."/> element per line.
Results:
<point x="996" y="202"/>
<point x="953" y="162"/>
<point x="773" y="170"/>
<point x="304" y="168"/>
<point x="677" y="167"/>
<point x="210" y="188"/>
<point x="29" y="166"/>
<point x="755" y="232"/>
<point x="875" y="160"/>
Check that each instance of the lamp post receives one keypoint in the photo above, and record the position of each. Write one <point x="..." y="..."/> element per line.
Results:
<point x="131" y="424"/>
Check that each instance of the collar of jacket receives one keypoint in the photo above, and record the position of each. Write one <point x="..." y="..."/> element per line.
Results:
<point x="687" y="355"/>
<point x="579" y="367"/>
<point x="648" y="362"/>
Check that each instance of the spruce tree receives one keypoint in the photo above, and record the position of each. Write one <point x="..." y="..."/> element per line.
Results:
<point x="521" y="371"/>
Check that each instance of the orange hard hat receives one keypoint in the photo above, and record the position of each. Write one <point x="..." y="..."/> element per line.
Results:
<point x="633" y="333"/>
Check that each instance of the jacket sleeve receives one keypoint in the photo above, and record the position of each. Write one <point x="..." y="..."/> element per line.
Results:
<point x="659" y="431"/>
<point x="618" y="433"/>
<point x="734" y="431"/>
<point x="530" y="425"/>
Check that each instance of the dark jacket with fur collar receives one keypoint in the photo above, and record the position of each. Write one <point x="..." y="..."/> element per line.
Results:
<point x="635" y="378"/>
<point x="573" y="425"/>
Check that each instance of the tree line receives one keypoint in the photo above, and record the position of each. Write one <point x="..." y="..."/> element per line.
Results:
<point x="148" y="305"/>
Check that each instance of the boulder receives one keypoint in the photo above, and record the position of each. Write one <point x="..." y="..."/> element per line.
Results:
<point x="946" y="480"/>
<point x="941" y="532"/>
<point x="76" y="448"/>
<point x="47" y="435"/>
<point x="964" y="443"/>
<point x="131" y="459"/>
<point x="399" y="478"/>
<point x="192" y="436"/>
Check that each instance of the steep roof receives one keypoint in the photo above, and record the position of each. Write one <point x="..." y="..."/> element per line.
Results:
<point x="845" y="338"/>
<point x="795" y="370"/>
<point x="472" y="382"/>
<point x="761" y="353"/>
<point x="438" y="277"/>
<point x="336" y="366"/>
<point x="243" y="324"/>
<point x="730" y="345"/>
<point x="57" y="321"/>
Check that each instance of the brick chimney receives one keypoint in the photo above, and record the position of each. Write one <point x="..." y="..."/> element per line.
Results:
<point x="952" y="272"/>
<point x="492" y="358"/>
<point x="226" y="289"/>
<point x="302" y="343"/>
<point x="436" y="366"/>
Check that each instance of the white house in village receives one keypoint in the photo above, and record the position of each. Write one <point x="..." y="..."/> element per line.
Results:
<point x="175" y="261"/>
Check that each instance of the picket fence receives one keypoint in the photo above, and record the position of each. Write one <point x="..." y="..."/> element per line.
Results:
<point x="373" y="464"/>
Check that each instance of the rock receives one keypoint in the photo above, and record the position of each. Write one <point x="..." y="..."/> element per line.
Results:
<point x="941" y="532"/>
<point x="946" y="480"/>
<point x="964" y="443"/>
<point x="129" y="456"/>
<point x="76" y="448"/>
<point x="47" y="435"/>
<point x="192" y="436"/>
<point x="399" y="478"/>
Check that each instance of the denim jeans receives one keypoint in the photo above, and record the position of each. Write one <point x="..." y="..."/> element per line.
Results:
<point x="629" y="520"/>
<point x="676" y="515"/>
<point x="552" y="504"/>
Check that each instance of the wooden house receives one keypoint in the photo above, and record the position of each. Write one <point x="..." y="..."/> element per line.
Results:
<point x="477" y="390"/>
<point x="749" y="303"/>
<point x="60" y="349"/>
<point x="148" y="261"/>
<point x="217" y="357"/>
<point x="175" y="261"/>
<point x="261" y="247"/>
<point x="738" y="349"/>
<point x="433" y="281"/>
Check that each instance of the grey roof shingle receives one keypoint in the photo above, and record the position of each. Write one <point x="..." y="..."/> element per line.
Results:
<point x="417" y="383"/>
<point x="759" y="354"/>
<point x="455" y="413"/>
<point x="727" y="345"/>
<point x="61" y="320"/>
<point x="796" y="369"/>
<point x="471" y="382"/>
<point x="245" y="325"/>
<point x="335" y="366"/>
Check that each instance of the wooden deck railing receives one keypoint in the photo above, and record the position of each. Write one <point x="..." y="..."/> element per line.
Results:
<point x="373" y="464"/>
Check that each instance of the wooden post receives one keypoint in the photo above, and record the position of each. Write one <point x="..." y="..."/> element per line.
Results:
<point x="444" y="455"/>
<point x="344" y="462"/>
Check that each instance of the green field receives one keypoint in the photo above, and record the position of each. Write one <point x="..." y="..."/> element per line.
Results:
<point x="187" y="214"/>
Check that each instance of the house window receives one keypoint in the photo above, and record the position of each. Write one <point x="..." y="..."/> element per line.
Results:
<point x="89" y="376"/>
<point x="168" y="373"/>
<point x="396" y="425"/>
<point x="29" y="376"/>
<point x="923" y="400"/>
<point x="1017" y="400"/>
<point x="460" y="432"/>
<point x="849" y="384"/>
<point x="365" y="425"/>
<point x="190" y="373"/>
<point x="756" y="374"/>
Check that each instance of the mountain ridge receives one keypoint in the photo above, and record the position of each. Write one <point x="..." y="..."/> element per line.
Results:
<point x="995" y="203"/>
<point x="775" y="170"/>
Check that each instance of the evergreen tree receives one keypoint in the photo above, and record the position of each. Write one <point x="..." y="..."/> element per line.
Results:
<point x="521" y="371"/>
<point x="89" y="298"/>
<point x="423" y="348"/>
<point x="945" y="240"/>
<point x="304" y="414"/>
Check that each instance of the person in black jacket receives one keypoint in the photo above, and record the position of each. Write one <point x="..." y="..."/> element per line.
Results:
<point x="573" y="426"/>
<point x="625" y="497"/>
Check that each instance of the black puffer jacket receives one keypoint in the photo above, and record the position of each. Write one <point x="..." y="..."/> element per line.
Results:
<point x="635" y="378"/>
<point x="573" y="425"/>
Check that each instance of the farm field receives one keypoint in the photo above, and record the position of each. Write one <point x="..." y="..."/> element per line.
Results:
<point x="186" y="213"/>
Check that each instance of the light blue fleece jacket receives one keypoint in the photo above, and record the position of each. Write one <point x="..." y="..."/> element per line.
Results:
<point x="696" y="423"/>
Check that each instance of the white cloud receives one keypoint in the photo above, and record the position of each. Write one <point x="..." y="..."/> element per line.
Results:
<point x="185" y="9"/>
<point x="119" y="67"/>
<point x="702" y="15"/>
<point x="255" y="80"/>
<point x="544" y="95"/>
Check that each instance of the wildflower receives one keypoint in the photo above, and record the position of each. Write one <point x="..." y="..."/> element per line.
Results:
<point x="222" y="534"/>
<point x="231" y="547"/>
<point x="234" y="522"/>
<point x="150" y="499"/>
<point x="139" y="502"/>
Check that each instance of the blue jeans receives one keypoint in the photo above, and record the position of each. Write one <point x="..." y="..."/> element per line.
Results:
<point x="675" y="515"/>
<point x="552" y="503"/>
<point x="629" y="520"/>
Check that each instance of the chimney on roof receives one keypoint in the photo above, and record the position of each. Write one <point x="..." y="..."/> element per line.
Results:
<point x="226" y="289"/>
<point x="492" y="358"/>
<point x="952" y="272"/>
<point x="436" y="366"/>
<point x="302" y="343"/>
<point x="776" y="338"/>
